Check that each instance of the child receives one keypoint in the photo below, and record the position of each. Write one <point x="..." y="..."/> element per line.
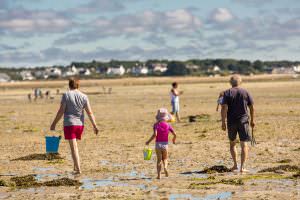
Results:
<point x="219" y="101"/>
<point x="175" y="100"/>
<point x="161" y="131"/>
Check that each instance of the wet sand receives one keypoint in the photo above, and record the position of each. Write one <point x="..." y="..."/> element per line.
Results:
<point x="113" y="165"/>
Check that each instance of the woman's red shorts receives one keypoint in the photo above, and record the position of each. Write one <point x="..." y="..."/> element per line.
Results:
<point x="73" y="132"/>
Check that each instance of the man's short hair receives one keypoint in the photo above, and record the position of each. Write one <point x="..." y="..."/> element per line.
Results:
<point x="235" y="80"/>
<point x="174" y="84"/>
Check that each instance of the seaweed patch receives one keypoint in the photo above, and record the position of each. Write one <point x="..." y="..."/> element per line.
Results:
<point x="286" y="168"/>
<point x="47" y="156"/>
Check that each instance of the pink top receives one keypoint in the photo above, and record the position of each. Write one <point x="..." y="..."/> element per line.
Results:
<point x="163" y="129"/>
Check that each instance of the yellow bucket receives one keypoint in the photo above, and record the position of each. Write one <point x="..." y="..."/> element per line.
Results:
<point x="171" y="118"/>
<point x="147" y="153"/>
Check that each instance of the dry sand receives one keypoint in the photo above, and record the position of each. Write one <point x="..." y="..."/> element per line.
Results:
<point x="112" y="163"/>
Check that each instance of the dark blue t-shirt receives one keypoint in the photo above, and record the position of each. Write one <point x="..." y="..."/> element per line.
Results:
<point x="238" y="100"/>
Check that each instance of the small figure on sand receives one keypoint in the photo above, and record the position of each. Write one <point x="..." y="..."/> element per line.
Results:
<point x="175" y="100"/>
<point x="161" y="130"/>
<point x="36" y="93"/>
<point x="220" y="100"/>
<point x="47" y="94"/>
<point x="72" y="107"/>
<point x="29" y="97"/>
<point x="235" y="104"/>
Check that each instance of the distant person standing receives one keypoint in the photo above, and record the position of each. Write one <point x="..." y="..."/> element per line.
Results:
<point x="175" y="100"/>
<point x="47" y="94"/>
<point x="235" y="105"/>
<point x="36" y="93"/>
<point x="72" y="106"/>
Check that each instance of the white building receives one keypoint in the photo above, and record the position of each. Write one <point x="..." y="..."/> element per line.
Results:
<point x="216" y="68"/>
<point x="139" y="70"/>
<point x="119" y="71"/>
<point x="296" y="69"/>
<point x="26" y="75"/>
<point x="160" y="67"/>
<point x="283" y="70"/>
<point x="4" y="78"/>
<point x="84" y="72"/>
<point x="71" y="71"/>
<point x="40" y="74"/>
<point x="53" y="72"/>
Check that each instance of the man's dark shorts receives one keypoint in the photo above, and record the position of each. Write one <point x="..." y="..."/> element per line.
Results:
<point x="240" y="127"/>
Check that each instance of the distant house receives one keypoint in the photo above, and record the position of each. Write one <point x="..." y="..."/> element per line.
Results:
<point x="283" y="70"/>
<point x="296" y="68"/>
<point x="192" y="67"/>
<point x="4" y="78"/>
<point x="71" y="71"/>
<point x="139" y="70"/>
<point x="101" y="70"/>
<point x="54" y="72"/>
<point x="214" y="68"/>
<point x="84" y="72"/>
<point x="118" y="71"/>
<point x="40" y="74"/>
<point x="159" y="67"/>
<point x="26" y="75"/>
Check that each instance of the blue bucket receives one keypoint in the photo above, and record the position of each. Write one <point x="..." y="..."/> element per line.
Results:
<point x="52" y="144"/>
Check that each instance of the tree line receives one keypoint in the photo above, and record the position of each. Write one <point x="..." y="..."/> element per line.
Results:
<point x="200" y="67"/>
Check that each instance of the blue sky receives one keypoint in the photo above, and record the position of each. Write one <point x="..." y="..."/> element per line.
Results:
<point x="48" y="32"/>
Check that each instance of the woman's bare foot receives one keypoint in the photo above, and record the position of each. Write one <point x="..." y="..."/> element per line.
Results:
<point x="234" y="168"/>
<point x="166" y="172"/>
<point x="158" y="177"/>
<point x="243" y="170"/>
<point x="76" y="172"/>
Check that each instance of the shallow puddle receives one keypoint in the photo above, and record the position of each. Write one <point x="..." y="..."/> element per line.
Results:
<point x="3" y="195"/>
<point x="106" y="162"/>
<point x="42" y="177"/>
<point x="134" y="175"/>
<point x="219" y="196"/>
<point x="89" y="184"/>
<point x="43" y="169"/>
<point x="222" y="195"/>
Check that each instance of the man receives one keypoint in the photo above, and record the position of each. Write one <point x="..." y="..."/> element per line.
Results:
<point x="234" y="108"/>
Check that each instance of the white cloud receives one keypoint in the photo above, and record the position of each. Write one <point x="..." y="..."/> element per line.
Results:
<point x="221" y="15"/>
<point x="176" y="22"/>
<point x="20" y="21"/>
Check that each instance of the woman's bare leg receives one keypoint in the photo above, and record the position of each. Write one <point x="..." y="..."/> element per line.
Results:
<point x="158" y="164"/>
<point x="75" y="155"/>
<point x="178" y="117"/>
<point x="165" y="161"/>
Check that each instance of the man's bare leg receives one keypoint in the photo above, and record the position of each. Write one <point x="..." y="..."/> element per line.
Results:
<point x="233" y="153"/>
<point x="244" y="156"/>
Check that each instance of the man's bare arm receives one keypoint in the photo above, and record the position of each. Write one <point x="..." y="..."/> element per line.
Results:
<point x="224" y="116"/>
<point x="252" y="123"/>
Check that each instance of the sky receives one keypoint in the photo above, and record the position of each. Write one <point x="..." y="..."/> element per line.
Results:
<point x="57" y="32"/>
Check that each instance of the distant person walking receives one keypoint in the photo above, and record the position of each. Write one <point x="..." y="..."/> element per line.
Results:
<point x="175" y="100"/>
<point x="72" y="106"/>
<point x="234" y="107"/>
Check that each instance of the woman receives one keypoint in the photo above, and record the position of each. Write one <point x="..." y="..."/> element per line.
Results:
<point x="72" y="106"/>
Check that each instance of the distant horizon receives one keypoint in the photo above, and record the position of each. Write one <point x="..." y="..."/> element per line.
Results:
<point x="67" y="64"/>
<point x="46" y="33"/>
